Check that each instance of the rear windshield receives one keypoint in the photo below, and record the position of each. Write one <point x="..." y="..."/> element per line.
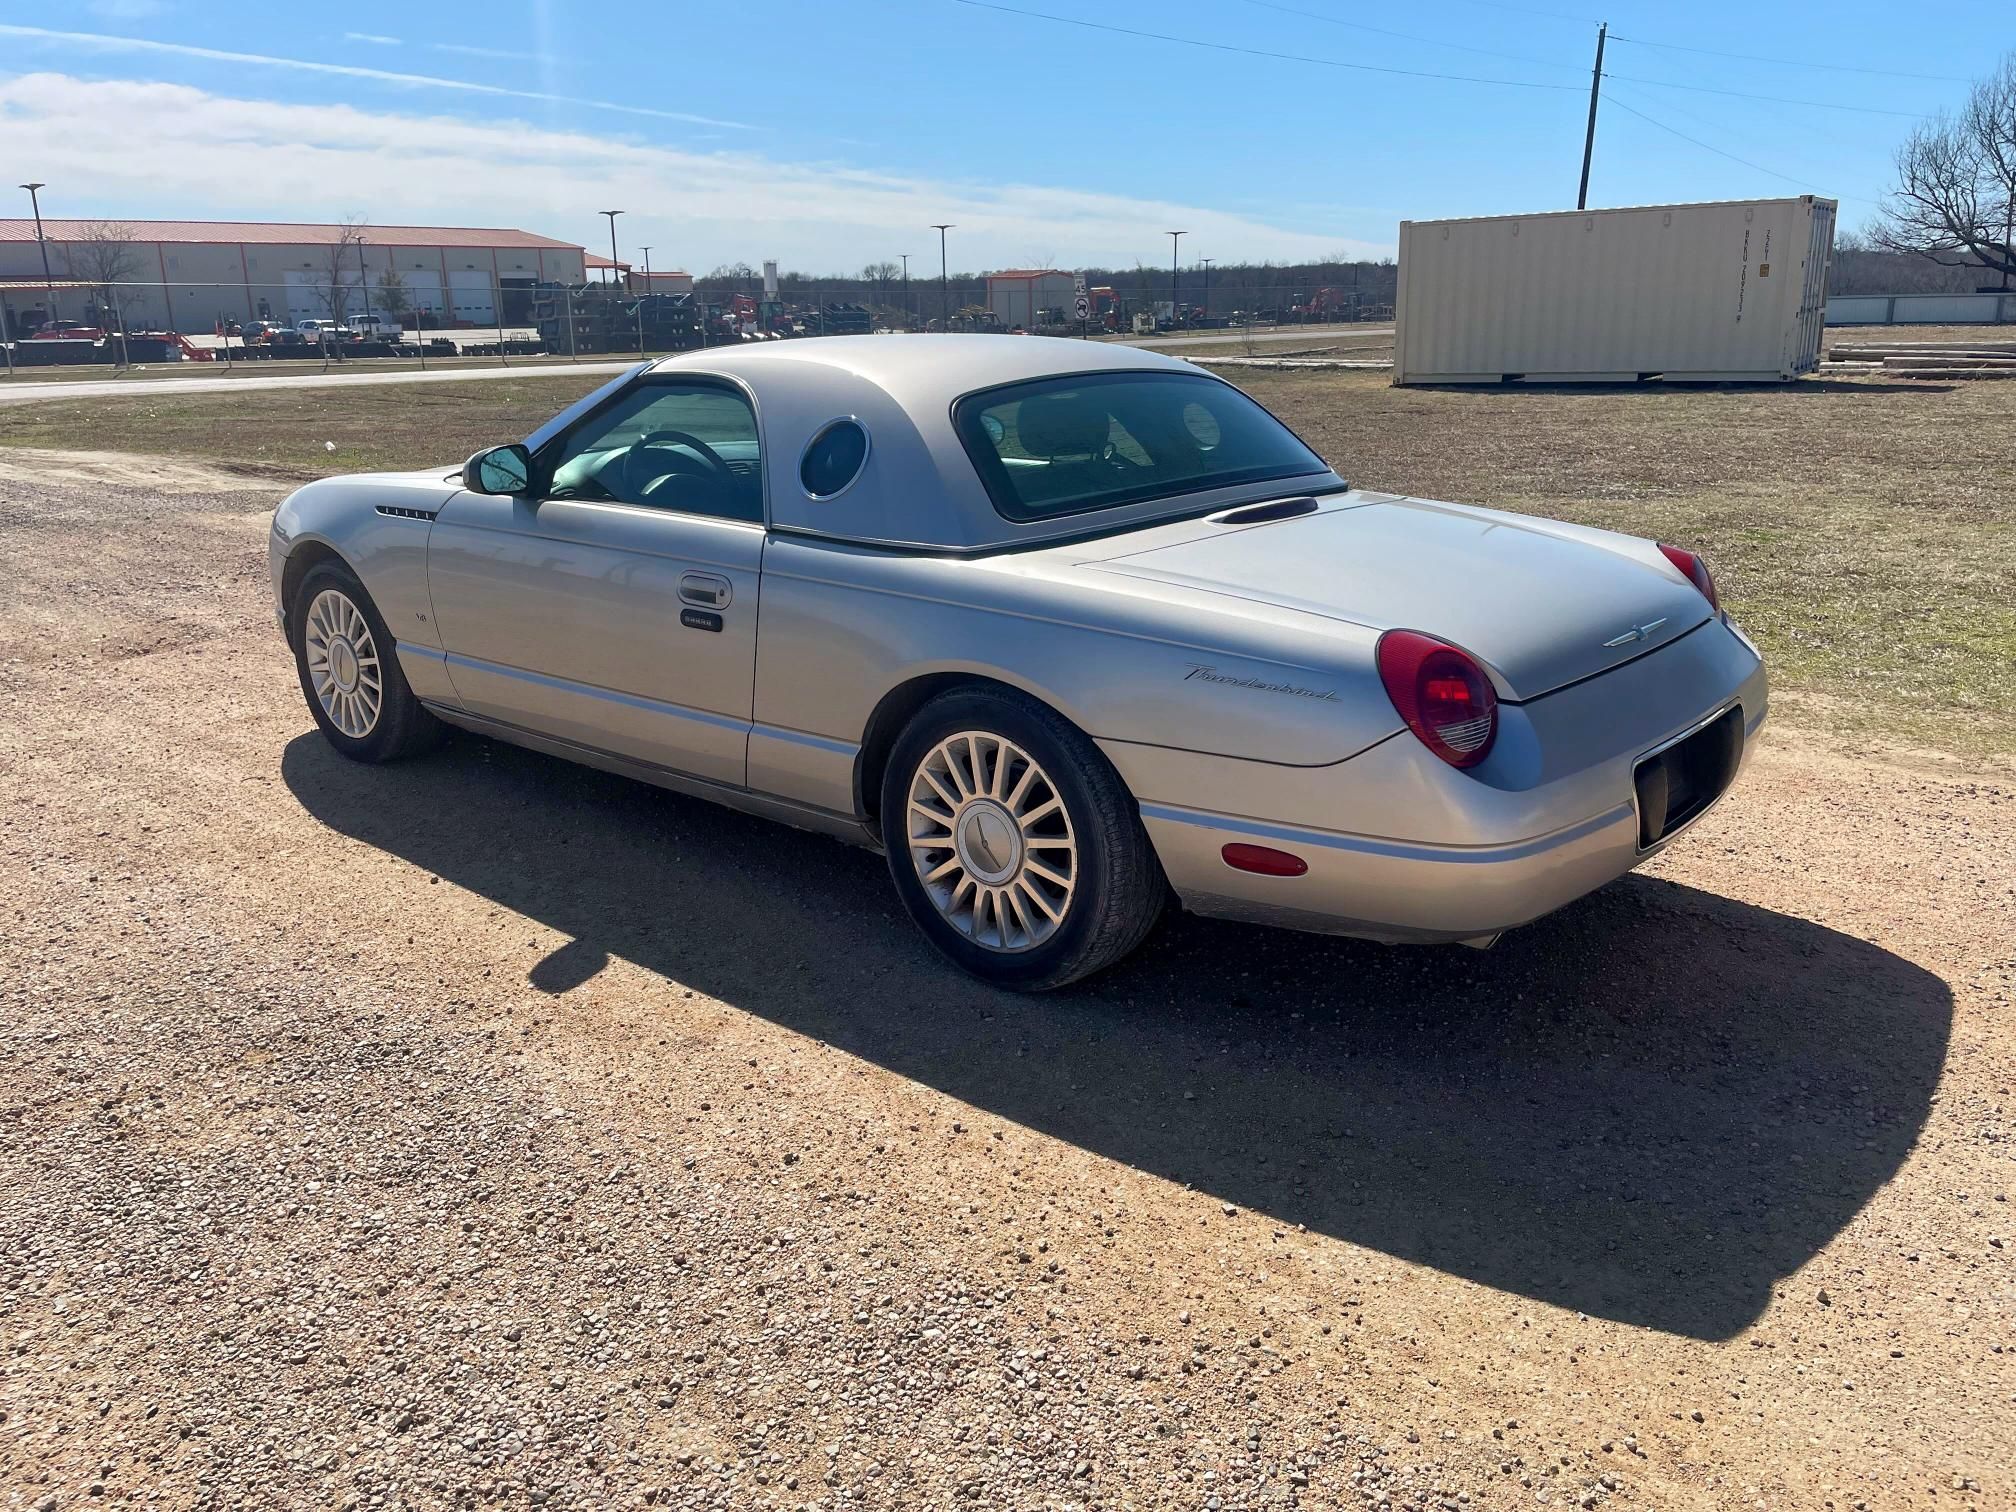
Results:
<point x="1064" y="446"/>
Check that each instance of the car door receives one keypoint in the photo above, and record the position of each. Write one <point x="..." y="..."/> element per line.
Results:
<point x="613" y="604"/>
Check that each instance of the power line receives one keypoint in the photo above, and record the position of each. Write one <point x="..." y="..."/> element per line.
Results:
<point x="1530" y="10"/>
<point x="1732" y="157"/>
<point x="1710" y="52"/>
<point x="1738" y="94"/>
<point x="1256" y="52"/>
<point x="1381" y="31"/>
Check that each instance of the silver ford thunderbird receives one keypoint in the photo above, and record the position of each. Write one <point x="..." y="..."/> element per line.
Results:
<point x="1066" y="629"/>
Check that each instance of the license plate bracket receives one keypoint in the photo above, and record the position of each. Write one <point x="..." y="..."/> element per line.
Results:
<point x="1676" y="783"/>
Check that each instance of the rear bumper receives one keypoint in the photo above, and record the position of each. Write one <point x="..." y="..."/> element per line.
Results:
<point x="1405" y="890"/>
<point x="1388" y="889"/>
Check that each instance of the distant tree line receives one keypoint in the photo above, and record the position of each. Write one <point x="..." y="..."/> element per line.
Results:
<point x="1863" y="267"/>
<point x="1233" y="286"/>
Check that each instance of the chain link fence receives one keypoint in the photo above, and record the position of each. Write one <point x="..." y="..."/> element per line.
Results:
<point x="70" y="322"/>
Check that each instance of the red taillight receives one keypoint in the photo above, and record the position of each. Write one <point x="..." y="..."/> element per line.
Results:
<point x="1442" y="693"/>
<point x="1693" y="569"/>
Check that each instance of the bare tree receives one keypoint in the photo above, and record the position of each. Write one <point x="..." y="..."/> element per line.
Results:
<point x="392" y="296"/>
<point x="103" y="256"/>
<point x="342" y="264"/>
<point x="881" y="275"/>
<point x="1955" y="200"/>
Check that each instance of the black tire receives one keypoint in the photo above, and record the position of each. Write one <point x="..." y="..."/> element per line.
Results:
<point x="402" y="726"/>
<point x="1119" y="888"/>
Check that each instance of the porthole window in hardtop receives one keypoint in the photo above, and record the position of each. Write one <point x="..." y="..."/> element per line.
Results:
<point x="834" y="459"/>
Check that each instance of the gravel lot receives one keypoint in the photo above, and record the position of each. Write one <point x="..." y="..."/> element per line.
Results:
<point x="483" y="1131"/>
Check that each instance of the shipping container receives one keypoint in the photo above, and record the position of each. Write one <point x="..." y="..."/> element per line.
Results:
<point x="1733" y="291"/>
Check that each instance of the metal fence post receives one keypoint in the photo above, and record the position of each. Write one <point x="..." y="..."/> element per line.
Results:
<point x="119" y="325"/>
<point x="573" y="346"/>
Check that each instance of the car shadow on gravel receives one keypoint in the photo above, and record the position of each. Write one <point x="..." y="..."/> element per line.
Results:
<point x="1651" y="1107"/>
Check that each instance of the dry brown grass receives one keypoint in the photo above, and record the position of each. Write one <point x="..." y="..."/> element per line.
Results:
<point x="1864" y="532"/>
<point x="287" y="433"/>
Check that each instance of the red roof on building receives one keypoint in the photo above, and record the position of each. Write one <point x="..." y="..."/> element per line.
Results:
<point x="280" y="233"/>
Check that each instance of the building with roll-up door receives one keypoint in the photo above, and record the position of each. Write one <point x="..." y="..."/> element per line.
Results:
<point x="189" y="275"/>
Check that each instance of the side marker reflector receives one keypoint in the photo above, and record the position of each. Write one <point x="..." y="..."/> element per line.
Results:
<point x="1265" y="860"/>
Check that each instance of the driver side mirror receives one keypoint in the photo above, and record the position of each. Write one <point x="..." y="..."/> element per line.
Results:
<point x="500" y="470"/>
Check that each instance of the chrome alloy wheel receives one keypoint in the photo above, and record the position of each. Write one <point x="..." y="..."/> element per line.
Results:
<point x="991" y="841"/>
<point x="343" y="663"/>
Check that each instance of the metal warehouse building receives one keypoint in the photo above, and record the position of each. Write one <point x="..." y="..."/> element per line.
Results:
<point x="187" y="275"/>
<point x="1020" y="295"/>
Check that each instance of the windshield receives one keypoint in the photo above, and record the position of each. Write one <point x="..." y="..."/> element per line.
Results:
<point x="1063" y="446"/>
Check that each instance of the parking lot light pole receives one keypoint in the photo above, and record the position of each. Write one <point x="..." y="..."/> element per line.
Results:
<point x="364" y="280"/>
<point x="612" y="214"/>
<point x="48" y="278"/>
<point x="906" y="289"/>
<point x="1207" y="261"/>
<point x="944" y="282"/>
<point x="1175" y="309"/>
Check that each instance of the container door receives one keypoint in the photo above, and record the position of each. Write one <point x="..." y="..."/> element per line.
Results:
<point x="1813" y="291"/>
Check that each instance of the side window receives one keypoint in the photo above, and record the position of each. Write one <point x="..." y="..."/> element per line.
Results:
<point x="687" y="447"/>
<point x="834" y="459"/>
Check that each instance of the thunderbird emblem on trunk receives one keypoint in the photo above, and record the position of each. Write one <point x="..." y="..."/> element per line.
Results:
<point x="1635" y="633"/>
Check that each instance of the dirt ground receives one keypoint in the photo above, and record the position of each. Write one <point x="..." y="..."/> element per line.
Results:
<point x="486" y="1131"/>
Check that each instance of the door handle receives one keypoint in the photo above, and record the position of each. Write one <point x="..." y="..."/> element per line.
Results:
<point x="704" y="590"/>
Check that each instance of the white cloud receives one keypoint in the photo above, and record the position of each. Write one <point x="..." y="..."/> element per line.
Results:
<point x="289" y="161"/>
<point x="464" y="50"/>
<point x="372" y="37"/>
<point x="103" y="42"/>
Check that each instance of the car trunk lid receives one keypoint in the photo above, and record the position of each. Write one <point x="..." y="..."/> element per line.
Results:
<point x="1538" y="606"/>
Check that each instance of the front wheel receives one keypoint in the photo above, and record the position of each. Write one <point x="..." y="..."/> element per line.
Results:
<point x="1014" y="844"/>
<point x="349" y="670"/>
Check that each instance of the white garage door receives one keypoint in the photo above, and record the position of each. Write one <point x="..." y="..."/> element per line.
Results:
<point x="474" y="294"/>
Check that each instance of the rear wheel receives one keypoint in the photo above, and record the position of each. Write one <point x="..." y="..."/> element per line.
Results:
<point x="349" y="670"/>
<point x="1013" y="842"/>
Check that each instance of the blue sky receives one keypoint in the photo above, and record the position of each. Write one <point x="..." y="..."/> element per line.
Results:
<point x="830" y="134"/>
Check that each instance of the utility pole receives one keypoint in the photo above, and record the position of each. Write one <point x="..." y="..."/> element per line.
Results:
<point x="48" y="279"/>
<point x="908" y="314"/>
<point x="1175" y="309"/>
<point x="1207" y="261"/>
<point x="612" y="214"/>
<point x="944" y="284"/>
<point x="1589" y="140"/>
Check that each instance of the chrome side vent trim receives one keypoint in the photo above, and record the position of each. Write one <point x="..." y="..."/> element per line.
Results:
<point x="399" y="513"/>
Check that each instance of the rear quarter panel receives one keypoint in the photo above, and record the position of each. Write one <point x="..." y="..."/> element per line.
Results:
<point x="1163" y="668"/>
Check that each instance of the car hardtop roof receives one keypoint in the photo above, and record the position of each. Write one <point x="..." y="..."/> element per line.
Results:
<point x="927" y="368"/>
